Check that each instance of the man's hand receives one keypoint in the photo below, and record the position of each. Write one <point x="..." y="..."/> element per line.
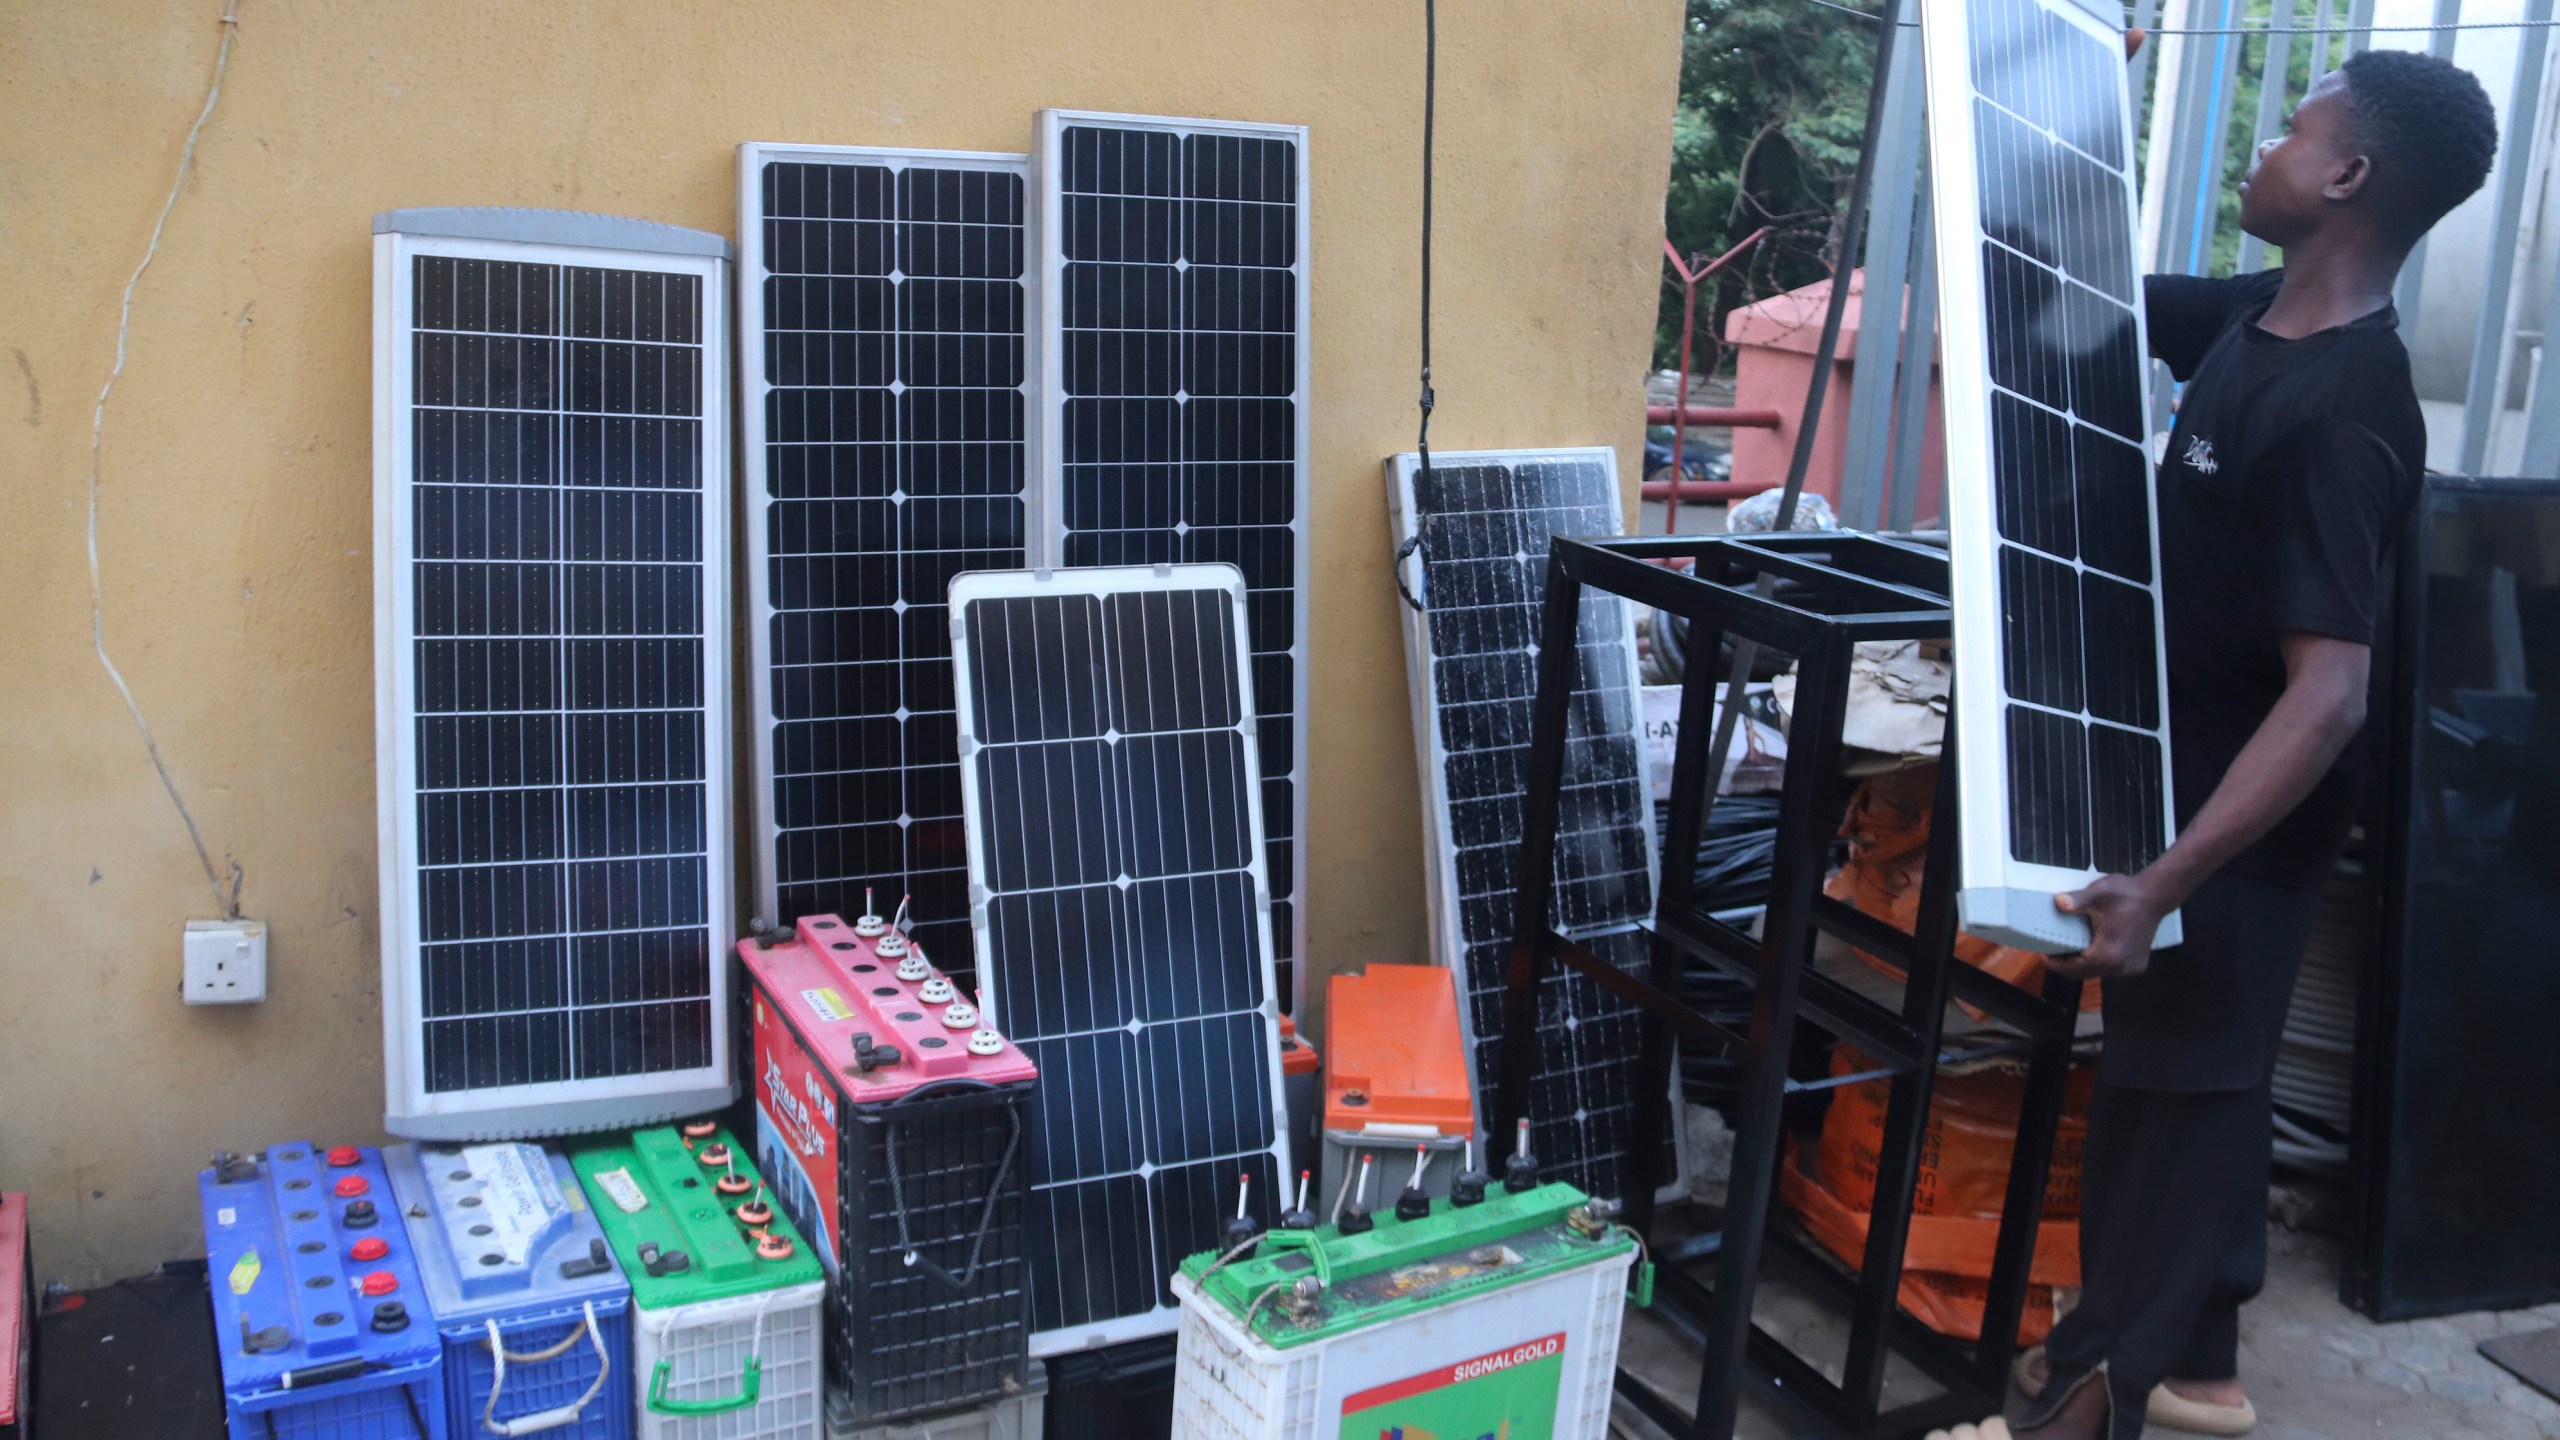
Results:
<point x="2124" y="913"/>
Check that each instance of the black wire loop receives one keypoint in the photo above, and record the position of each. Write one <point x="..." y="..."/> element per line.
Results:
<point x="986" y="1214"/>
<point x="1422" y="438"/>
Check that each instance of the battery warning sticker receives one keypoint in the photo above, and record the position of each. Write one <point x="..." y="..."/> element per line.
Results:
<point x="828" y="1005"/>
<point x="1506" y="1395"/>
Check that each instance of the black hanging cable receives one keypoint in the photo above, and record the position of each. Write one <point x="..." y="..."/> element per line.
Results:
<point x="1422" y="440"/>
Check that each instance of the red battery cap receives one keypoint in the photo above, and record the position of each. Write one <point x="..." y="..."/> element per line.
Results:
<point x="379" y="1282"/>
<point x="343" y="1156"/>
<point x="351" y="1186"/>
<point x="371" y="1247"/>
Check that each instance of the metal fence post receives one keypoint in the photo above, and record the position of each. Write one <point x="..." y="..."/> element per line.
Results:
<point x="2486" y="393"/>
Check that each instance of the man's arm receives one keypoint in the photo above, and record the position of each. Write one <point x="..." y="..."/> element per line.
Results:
<point x="2183" y="313"/>
<point x="2319" y="713"/>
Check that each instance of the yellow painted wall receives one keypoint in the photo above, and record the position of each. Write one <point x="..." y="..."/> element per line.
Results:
<point x="234" y="527"/>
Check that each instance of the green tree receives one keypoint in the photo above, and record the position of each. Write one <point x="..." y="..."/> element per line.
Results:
<point x="1773" y="97"/>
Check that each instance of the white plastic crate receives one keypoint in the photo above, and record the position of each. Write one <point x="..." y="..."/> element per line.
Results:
<point x="705" y="1348"/>
<point x="1230" y="1385"/>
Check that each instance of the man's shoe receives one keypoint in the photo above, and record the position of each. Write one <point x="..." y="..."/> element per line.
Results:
<point x="2174" y="1411"/>
<point x="2165" y="1407"/>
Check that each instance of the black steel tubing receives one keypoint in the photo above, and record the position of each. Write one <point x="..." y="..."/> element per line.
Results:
<point x="1717" y="599"/>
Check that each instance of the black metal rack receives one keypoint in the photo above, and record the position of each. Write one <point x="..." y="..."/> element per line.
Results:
<point x="1813" y="596"/>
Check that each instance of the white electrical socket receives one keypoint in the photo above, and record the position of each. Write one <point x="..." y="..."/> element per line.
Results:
<point x="226" y="962"/>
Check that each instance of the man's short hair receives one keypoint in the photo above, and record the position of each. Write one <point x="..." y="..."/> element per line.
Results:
<point x="2428" y="128"/>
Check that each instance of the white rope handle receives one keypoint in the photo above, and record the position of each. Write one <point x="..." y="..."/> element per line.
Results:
<point x="558" y="1415"/>
<point x="755" y="1335"/>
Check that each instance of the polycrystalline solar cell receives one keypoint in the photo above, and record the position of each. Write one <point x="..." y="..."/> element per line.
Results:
<point x="2037" y="91"/>
<point x="889" y="296"/>
<point x="1122" y="939"/>
<point x="554" y="863"/>
<point x="1485" y="520"/>
<point x="1176" y="315"/>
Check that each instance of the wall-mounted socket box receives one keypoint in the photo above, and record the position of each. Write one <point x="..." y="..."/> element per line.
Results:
<point x="226" y="962"/>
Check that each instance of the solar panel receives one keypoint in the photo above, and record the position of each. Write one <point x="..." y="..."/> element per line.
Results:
<point x="551" y="670"/>
<point x="1173" y="328"/>
<point x="881" y="313"/>
<point x="2061" y="715"/>
<point x="1485" y="519"/>
<point x="1123" y="919"/>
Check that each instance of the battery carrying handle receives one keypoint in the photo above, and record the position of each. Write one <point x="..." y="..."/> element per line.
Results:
<point x="750" y="1380"/>
<point x="557" y="1415"/>
<point x="1275" y="1243"/>
<point x="908" y="1253"/>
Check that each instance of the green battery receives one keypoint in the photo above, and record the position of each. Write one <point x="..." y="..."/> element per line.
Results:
<point x="724" y="1292"/>
<point x="1494" y="1319"/>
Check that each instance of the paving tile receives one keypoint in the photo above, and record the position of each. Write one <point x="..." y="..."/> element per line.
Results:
<point x="2393" y="1374"/>
<point x="2464" y="1389"/>
<point x="2493" y="1422"/>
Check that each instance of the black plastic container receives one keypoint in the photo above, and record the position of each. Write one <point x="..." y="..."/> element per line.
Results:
<point x="2457" y="1073"/>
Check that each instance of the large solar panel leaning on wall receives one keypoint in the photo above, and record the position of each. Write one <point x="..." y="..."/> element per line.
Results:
<point x="1173" y="427"/>
<point x="551" y="670"/>
<point x="881" y="323"/>
<point x="1123" y="919"/>
<point x="2062" y="726"/>
<point x="1485" y="520"/>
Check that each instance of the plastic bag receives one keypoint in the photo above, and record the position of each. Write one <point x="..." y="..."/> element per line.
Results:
<point x="1887" y="828"/>
<point x="1962" y="1184"/>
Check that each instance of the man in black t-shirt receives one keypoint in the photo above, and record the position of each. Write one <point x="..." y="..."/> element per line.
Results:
<point x="2297" y="451"/>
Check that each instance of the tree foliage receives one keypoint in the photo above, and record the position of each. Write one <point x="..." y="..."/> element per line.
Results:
<point x="1773" y="104"/>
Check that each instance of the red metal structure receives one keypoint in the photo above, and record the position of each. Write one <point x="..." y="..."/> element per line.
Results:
<point x="1681" y="416"/>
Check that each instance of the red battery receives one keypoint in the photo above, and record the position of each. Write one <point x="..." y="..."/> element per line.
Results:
<point x="17" y="1321"/>
<point x="890" y="1122"/>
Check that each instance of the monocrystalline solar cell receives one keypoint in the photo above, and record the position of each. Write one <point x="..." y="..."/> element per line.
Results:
<point x="1123" y="919"/>
<point x="551" y="670"/>
<point x="882" y="309"/>
<point x="2062" y="727"/>
<point x="1173" y="427"/>
<point x="1484" y="520"/>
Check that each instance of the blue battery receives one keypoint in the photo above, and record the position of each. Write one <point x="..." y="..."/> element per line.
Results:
<point x="318" y="1311"/>
<point x="533" y="1309"/>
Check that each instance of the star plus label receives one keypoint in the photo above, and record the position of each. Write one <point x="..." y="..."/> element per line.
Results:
<point x="244" y="1272"/>
<point x="623" y="1191"/>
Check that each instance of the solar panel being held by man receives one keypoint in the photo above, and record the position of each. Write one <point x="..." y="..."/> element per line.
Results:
<point x="2061" y="724"/>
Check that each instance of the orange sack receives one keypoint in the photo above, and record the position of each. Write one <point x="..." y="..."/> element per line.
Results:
<point x="1887" y="828"/>
<point x="1963" y="1182"/>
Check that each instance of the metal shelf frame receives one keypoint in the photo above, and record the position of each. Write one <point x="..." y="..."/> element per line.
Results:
<point x="1814" y="596"/>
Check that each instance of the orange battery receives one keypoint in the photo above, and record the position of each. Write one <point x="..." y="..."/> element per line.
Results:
<point x="1395" y="1078"/>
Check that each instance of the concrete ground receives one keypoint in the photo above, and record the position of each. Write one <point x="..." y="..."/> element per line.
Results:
<point x="2315" y="1369"/>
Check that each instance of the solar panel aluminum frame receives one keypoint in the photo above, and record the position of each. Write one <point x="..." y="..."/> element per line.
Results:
<point x="1440" y="895"/>
<point x="1106" y="581"/>
<point x="546" y="237"/>
<point x="1048" y="426"/>
<point x="2001" y="898"/>
<point x="753" y="156"/>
